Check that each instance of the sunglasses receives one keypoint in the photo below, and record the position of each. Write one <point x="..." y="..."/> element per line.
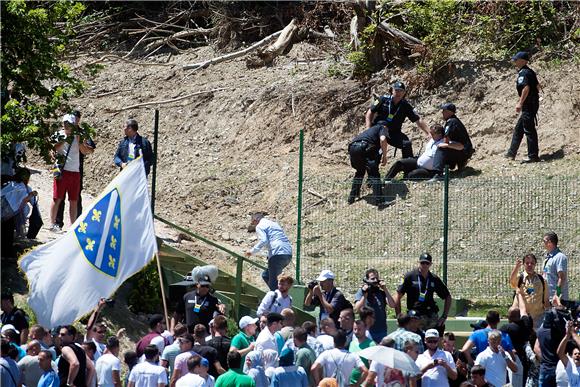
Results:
<point x="425" y="263"/>
<point x="432" y="341"/>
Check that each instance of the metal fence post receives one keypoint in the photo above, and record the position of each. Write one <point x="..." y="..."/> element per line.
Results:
<point x="237" y="296"/>
<point x="299" y="222"/>
<point x="154" y="177"/>
<point x="445" y="223"/>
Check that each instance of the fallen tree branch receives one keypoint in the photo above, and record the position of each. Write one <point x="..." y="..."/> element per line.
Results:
<point x="111" y="93"/>
<point x="399" y="35"/>
<point x="312" y="192"/>
<point x="111" y="56"/>
<point x="178" y="35"/>
<point x="163" y="102"/>
<point x="279" y="46"/>
<point x="232" y="55"/>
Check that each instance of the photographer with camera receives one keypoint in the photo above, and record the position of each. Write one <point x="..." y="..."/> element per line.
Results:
<point x="323" y="293"/>
<point x="374" y="294"/>
<point x="67" y="177"/>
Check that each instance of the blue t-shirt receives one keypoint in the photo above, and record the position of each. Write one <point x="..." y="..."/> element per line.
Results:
<point x="9" y="372"/>
<point x="479" y="340"/>
<point x="49" y="379"/>
<point x="377" y="300"/>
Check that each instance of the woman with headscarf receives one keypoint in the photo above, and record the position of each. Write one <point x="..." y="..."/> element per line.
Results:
<point x="270" y="359"/>
<point x="254" y="367"/>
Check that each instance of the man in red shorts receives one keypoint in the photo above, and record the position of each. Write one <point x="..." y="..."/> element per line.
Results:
<point x="69" y="182"/>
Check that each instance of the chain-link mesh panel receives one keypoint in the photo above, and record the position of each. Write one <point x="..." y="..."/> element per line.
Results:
<point x="491" y="221"/>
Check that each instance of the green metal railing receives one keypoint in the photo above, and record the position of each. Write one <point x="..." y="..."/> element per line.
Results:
<point x="240" y="259"/>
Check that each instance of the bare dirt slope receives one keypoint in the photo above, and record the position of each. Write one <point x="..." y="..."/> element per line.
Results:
<point x="225" y="153"/>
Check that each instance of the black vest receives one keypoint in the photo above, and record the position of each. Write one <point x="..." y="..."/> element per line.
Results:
<point x="63" y="367"/>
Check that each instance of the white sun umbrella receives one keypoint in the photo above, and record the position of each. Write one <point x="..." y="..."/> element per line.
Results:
<point x="391" y="358"/>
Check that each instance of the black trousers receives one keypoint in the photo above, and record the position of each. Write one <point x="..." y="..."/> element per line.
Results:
<point x="400" y="140"/>
<point x="365" y="159"/>
<point x="448" y="156"/>
<point x="409" y="168"/>
<point x="526" y="125"/>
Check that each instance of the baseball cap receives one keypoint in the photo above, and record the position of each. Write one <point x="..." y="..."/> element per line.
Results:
<point x="431" y="333"/>
<point x="247" y="320"/>
<point x="481" y="324"/>
<point x="69" y="118"/>
<point x="325" y="275"/>
<point x="398" y="85"/>
<point x="425" y="257"/>
<point x="204" y="280"/>
<point x="521" y="55"/>
<point x="6" y="327"/>
<point x="204" y="362"/>
<point x="413" y="314"/>
<point x="449" y="106"/>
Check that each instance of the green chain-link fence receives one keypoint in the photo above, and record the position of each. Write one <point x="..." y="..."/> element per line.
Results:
<point x="491" y="222"/>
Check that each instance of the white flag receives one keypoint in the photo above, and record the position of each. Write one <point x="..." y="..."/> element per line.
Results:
<point x="109" y="242"/>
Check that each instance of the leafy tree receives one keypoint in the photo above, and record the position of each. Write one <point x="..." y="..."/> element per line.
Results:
<point x="35" y="84"/>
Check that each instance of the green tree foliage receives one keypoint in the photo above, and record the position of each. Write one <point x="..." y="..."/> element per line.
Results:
<point x="35" y="84"/>
<point x="491" y="29"/>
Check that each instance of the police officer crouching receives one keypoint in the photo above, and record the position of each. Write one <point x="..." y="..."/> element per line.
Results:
<point x="456" y="148"/>
<point x="365" y="155"/>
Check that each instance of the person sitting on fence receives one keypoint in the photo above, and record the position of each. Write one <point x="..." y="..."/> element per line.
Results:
<point x="270" y="235"/>
<point x="279" y="299"/>
<point x="533" y="288"/>
<point x="418" y="167"/>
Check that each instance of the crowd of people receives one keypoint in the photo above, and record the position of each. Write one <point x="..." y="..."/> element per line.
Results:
<point x="538" y="346"/>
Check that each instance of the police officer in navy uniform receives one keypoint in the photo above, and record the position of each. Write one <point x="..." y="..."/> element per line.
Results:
<point x="391" y="111"/>
<point x="366" y="151"/>
<point x="421" y="286"/>
<point x="456" y="148"/>
<point x="528" y="104"/>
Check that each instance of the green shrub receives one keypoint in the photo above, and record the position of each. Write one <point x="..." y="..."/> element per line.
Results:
<point x="145" y="295"/>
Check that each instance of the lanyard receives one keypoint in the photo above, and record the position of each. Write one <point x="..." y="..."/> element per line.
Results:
<point x="391" y="104"/>
<point x="426" y="285"/>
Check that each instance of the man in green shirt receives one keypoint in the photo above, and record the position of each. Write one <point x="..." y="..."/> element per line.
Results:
<point x="359" y="342"/>
<point x="305" y="356"/>
<point x="234" y="377"/>
<point x="243" y="342"/>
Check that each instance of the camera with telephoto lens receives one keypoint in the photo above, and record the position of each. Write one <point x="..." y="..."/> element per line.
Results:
<point x="312" y="284"/>
<point x="370" y="283"/>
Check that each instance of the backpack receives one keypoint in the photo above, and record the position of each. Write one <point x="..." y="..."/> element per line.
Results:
<point x="337" y="374"/>
<point x="521" y="281"/>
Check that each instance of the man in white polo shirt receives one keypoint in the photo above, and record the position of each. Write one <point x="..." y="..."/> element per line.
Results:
<point x="267" y="337"/>
<point x="436" y="365"/>
<point x="495" y="360"/>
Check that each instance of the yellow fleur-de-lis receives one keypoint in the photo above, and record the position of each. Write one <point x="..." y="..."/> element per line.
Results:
<point x="111" y="262"/>
<point x="96" y="216"/>
<point x="117" y="221"/>
<point x="83" y="227"/>
<point x="90" y="244"/>
<point x="113" y="243"/>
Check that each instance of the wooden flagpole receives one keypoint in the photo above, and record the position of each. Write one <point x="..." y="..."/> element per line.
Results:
<point x="166" y="313"/>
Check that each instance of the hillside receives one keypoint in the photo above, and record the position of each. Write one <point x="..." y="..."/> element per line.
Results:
<point x="225" y="153"/>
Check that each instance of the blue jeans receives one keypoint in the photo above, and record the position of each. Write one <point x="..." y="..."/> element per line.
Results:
<point x="276" y="263"/>
<point x="547" y="378"/>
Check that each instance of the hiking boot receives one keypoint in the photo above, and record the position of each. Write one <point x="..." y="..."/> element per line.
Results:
<point x="351" y="199"/>
<point x="529" y="160"/>
<point x="509" y="156"/>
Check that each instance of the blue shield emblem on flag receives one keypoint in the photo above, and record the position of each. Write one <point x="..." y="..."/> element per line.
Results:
<point x="99" y="234"/>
